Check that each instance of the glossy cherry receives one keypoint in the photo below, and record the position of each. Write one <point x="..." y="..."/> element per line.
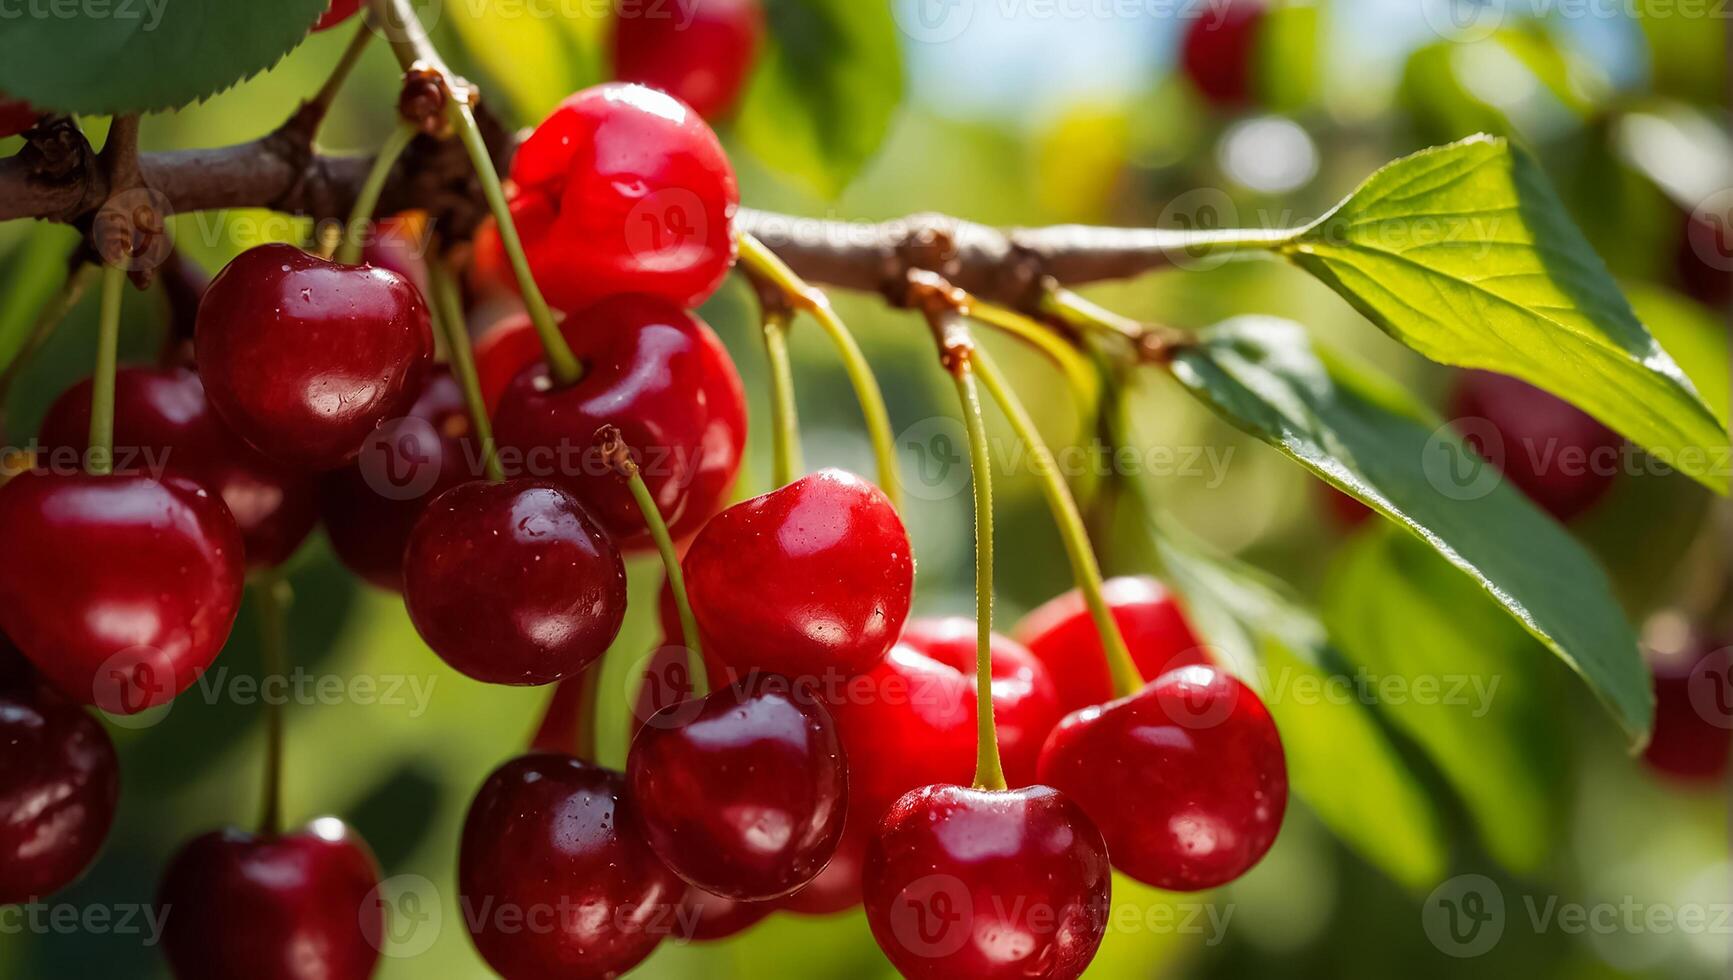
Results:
<point x="338" y="12"/>
<point x="1186" y="778"/>
<point x="504" y="350"/>
<point x="1219" y="52"/>
<point x="1025" y="702"/>
<point x="837" y="887"/>
<point x="699" y="51"/>
<point x="1061" y="634"/>
<point x="1558" y="455"/>
<point x="742" y="793"/>
<point x="130" y="588"/>
<point x="399" y="243"/>
<point x="556" y="875"/>
<point x="304" y="357"/>
<point x="811" y="581"/>
<point x="707" y="918"/>
<point x="299" y="906"/>
<point x="16" y="116"/>
<point x="59" y="785"/>
<point x="370" y="506"/>
<point x="624" y="189"/>
<point x="162" y="422"/>
<point x="513" y="583"/>
<point x="973" y="883"/>
<point x="660" y="376"/>
<point x="1703" y="258"/>
<point x="1693" y="731"/>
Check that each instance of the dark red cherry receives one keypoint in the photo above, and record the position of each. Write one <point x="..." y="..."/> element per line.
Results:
<point x="299" y="906"/>
<point x="1219" y="52"/>
<point x="505" y="349"/>
<point x="707" y="918"/>
<point x="399" y="243"/>
<point x="1558" y="455"/>
<point x="16" y="116"/>
<point x="624" y="189"/>
<point x="1347" y="512"/>
<point x="973" y="883"/>
<point x="1693" y="707"/>
<point x="130" y="588"/>
<point x="699" y="51"/>
<point x="1062" y="635"/>
<point x="556" y="876"/>
<point x="59" y="785"/>
<point x="809" y="581"/>
<point x="304" y="357"/>
<point x="660" y="376"/>
<point x="1704" y="259"/>
<point x="837" y="887"/>
<point x="1186" y="778"/>
<point x="1025" y="703"/>
<point x="337" y="13"/>
<point x="744" y="792"/>
<point x="668" y="672"/>
<point x="162" y="423"/>
<point x="370" y="506"/>
<point x="513" y="583"/>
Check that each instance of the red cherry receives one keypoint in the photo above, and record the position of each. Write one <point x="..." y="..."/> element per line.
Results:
<point x="304" y="357"/>
<point x="556" y="876"/>
<point x="974" y="883"/>
<point x="1693" y="731"/>
<point x="513" y="583"/>
<point x="337" y="13"/>
<point x="1561" y="457"/>
<point x="290" y="907"/>
<point x="809" y="581"/>
<point x="16" y="116"/>
<point x="743" y="792"/>
<point x="59" y="785"/>
<point x="624" y="189"/>
<point x="1703" y="259"/>
<point x="371" y="505"/>
<point x="162" y="422"/>
<point x="1348" y="512"/>
<point x="131" y="586"/>
<point x="661" y="377"/>
<point x="1025" y="703"/>
<point x="668" y="677"/>
<point x="1062" y="635"/>
<point x="699" y="51"/>
<point x="837" y="887"/>
<point x="504" y="350"/>
<point x="706" y="918"/>
<point x="1220" y="50"/>
<point x="1186" y="778"/>
<point x="399" y="243"/>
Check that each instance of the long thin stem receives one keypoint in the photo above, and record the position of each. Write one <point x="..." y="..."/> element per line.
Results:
<point x="361" y="215"/>
<point x="272" y="595"/>
<point x="619" y="456"/>
<point x="321" y="102"/>
<point x="100" y="459"/>
<point x="47" y="320"/>
<point x="785" y="422"/>
<point x="449" y="306"/>
<point x="1085" y="382"/>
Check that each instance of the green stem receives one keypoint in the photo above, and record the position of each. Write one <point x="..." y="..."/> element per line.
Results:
<point x="785" y="423"/>
<point x="589" y="733"/>
<point x="1078" y="371"/>
<point x="340" y="72"/>
<point x="367" y="200"/>
<point x="449" y="307"/>
<point x="100" y="460"/>
<point x="1126" y="677"/>
<point x="272" y="595"/>
<point x="620" y="456"/>
<point x="47" y="320"/>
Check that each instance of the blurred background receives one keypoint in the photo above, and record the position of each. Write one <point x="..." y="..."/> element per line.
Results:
<point x="1027" y="112"/>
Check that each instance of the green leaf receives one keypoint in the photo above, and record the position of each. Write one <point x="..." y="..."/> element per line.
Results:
<point x="534" y="62"/>
<point x="1377" y="444"/>
<point x="825" y="91"/>
<point x="146" y="55"/>
<point x="1696" y="335"/>
<point x="1465" y="254"/>
<point x="1459" y="678"/>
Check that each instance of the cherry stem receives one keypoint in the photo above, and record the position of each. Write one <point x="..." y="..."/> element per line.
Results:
<point x="448" y="309"/>
<point x="785" y="422"/>
<point x="619" y="456"/>
<point x="47" y="320"/>
<point x="327" y="95"/>
<point x="100" y="460"/>
<point x="1153" y="342"/>
<point x="367" y="199"/>
<point x="588" y="736"/>
<point x="272" y="595"/>
<point x="764" y="265"/>
<point x="1085" y="381"/>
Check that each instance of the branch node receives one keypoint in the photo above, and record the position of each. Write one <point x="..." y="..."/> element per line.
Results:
<point x="615" y="452"/>
<point x="423" y="99"/>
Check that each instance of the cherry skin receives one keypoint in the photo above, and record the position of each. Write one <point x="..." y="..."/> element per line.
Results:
<point x="624" y="189"/>
<point x="811" y="581"/>
<point x="1017" y="881"/>
<point x="557" y="876"/>
<point x="131" y="588"/>
<point x="59" y="785"/>
<point x="371" y="505"/>
<point x="699" y="51"/>
<point x="1558" y="455"/>
<point x="337" y="13"/>
<point x="504" y="350"/>
<point x="837" y="887"/>
<point x="743" y="792"/>
<point x="1219" y="51"/>
<point x="16" y="116"/>
<point x="1691" y="739"/>
<point x="162" y="419"/>
<point x="1025" y="702"/>
<point x="1061" y="634"/>
<point x="299" y="906"/>
<point x="707" y="918"/>
<point x="513" y="583"/>
<point x="304" y="357"/>
<point x="1701" y="260"/>
<point x="1186" y="778"/>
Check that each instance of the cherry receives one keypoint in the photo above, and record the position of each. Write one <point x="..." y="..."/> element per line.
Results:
<point x="623" y="189"/>
<point x="699" y="51"/>
<point x="1700" y="262"/>
<point x="1220" y="50"/>
<point x="1025" y="702"/>
<point x="59" y="785"/>
<point x="660" y="376"/>
<point x="398" y="243"/>
<point x="16" y="116"/>
<point x="812" y="580"/>
<point x="1186" y="778"/>
<point x="973" y="883"/>
<point x="1558" y="455"/>
<point x="1347" y="512"/>
<point x="304" y="357"/>
<point x="555" y="877"/>
<point x="504" y="350"/>
<point x="743" y="792"/>
<point x="706" y="918"/>
<point x="290" y="907"/>
<point x="837" y="887"/>
<point x="1693" y="713"/>
<point x="371" y="505"/>
<point x="1062" y="635"/>
<point x="668" y="676"/>
<point x="131" y="586"/>
<point x="162" y="420"/>
<point x="337" y="13"/>
<point x="513" y="583"/>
